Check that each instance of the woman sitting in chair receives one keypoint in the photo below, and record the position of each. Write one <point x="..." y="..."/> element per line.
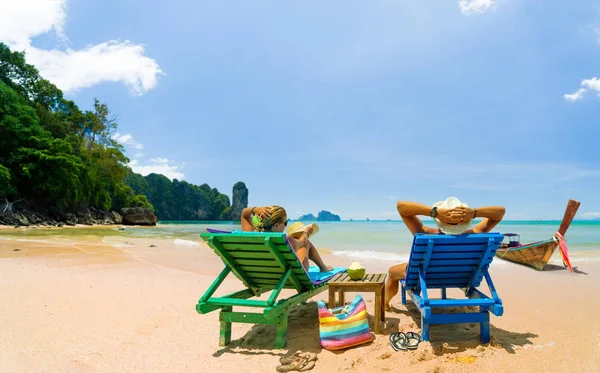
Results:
<point x="451" y="216"/>
<point x="274" y="219"/>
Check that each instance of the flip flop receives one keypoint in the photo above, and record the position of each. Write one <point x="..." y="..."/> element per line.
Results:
<point x="307" y="366"/>
<point x="301" y="365"/>
<point x="306" y="356"/>
<point x="294" y="365"/>
<point x="398" y="341"/>
<point x="412" y="340"/>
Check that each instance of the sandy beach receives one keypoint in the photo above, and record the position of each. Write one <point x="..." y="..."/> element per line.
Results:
<point x="128" y="305"/>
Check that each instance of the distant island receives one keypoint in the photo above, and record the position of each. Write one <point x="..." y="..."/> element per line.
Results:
<point x="321" y="216"/>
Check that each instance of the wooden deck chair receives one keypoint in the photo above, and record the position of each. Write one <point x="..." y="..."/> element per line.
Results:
<point x="263" y="262"/>
<point x="442" y="261"/>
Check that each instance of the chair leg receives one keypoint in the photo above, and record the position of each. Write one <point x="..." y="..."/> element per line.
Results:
<point x="484" y="328"/>
<point x="225" y="332"/>
<point x="383" y="303"/>
<point x="443" y="293"/>
<point x="403" y="291"/>
<point x="424" y="329"/>
<point x="378" y="312"/>
<point x="281" y="332"/>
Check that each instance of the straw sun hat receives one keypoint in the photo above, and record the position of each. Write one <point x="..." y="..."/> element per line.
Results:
<point x="296" y="229"/>
<point x="456" y="229"/>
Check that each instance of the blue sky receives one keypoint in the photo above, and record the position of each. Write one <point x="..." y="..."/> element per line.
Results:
<point x="342" y="106"/>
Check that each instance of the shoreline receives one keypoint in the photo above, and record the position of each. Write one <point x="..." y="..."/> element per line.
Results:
<point x="117" y="232"/>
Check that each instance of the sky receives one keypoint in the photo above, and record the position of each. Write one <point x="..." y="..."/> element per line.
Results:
<point x="340" y="106"/>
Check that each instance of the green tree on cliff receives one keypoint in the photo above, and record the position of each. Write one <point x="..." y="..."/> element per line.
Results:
<point x="51" y="152"/>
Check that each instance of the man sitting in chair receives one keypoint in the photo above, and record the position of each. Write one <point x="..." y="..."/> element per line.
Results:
<point x="451" y="216"/>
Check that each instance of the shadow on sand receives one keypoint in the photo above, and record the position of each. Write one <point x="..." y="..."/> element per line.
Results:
<point x="303" y="334"/>
<point x="554" y="267"/>
<point x="454" y="338"/>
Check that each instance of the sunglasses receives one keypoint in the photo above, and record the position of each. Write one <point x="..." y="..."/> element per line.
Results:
<point x="285" y="223"/>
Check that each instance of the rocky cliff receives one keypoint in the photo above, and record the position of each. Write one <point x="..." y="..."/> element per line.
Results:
<point x="138" y="216"/>
<point x="51" y="217"/>
<point x="239" y="200"/>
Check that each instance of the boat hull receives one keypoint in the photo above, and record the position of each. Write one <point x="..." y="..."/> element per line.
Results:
<point x="535" y="255"/>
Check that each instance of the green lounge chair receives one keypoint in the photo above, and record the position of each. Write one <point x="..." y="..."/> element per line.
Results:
<point x="263" y="262"/>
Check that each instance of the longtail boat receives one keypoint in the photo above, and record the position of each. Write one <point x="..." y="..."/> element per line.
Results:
<point x="537" y="254"/>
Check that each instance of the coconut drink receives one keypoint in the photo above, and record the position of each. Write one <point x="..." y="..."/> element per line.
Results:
<point x="356" y="271"/>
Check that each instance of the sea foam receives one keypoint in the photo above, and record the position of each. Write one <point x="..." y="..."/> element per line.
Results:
<point x="179" y="241"/>
<point x="369" y="254"/>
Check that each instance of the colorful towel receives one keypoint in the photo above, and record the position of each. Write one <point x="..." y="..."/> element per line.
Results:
<point x="317" y="276"/>
<point x="344" y="327"/>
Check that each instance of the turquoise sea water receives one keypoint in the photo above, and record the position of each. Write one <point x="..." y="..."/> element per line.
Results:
<point x="388" y="240"/>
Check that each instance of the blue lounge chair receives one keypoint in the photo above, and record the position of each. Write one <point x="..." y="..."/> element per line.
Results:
<point x="441" y="262"/>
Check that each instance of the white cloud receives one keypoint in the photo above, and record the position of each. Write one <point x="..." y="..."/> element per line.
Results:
<point x="127" y="140"/>
<point x="70" y="70"/>
<point x="477" y="6"/>
<point x="24" y="19"/>
<point x="577" y="95"/>
<point x="157" y="166"/>
<point x="592" y="84"/>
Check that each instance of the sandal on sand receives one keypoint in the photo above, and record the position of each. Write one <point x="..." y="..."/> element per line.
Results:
<point x="308" y="366"/>
<point x="306" y="356"/>
<point x="301" y="365"/>
<point x="398" y="341"/>
<point x="412" y="340"/>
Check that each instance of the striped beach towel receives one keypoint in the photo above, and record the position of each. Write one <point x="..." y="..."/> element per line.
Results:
<point x="344" y="327"/>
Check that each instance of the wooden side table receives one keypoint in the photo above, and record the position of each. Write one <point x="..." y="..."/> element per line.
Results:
<point x="374" y="282"/>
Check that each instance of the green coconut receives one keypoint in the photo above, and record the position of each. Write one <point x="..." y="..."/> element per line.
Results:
<point x="356" y="271"/>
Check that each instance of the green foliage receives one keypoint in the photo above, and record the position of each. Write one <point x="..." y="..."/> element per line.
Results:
<point x="226" y="214"/>
<point x="122" y="196"/>
<point x="51" y="152"/>
<point x="180" y="200"/>
<point x="48" y="171"/>
<point x="140" y="200"/>
<point x="239" y="185"/>
<point x="5" y="188"/>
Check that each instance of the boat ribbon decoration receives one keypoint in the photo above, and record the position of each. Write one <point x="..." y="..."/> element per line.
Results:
<point x="564" y="252"/>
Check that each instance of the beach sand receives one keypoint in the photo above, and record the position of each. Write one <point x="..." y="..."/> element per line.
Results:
<point x="123" y="306"/>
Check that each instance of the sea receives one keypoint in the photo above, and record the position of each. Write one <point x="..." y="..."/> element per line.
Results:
<point x="375" y="239"/>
